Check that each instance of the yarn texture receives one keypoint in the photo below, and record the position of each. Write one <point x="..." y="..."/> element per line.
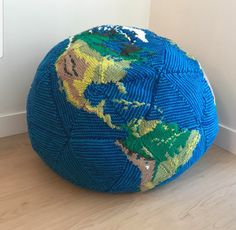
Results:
<point x="120" y="109"/>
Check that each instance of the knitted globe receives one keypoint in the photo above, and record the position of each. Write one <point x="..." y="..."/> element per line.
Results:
<point x="120" y="109"/>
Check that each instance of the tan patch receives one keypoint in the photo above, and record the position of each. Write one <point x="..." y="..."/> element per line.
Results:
<point x="69" y="66"/>
<point x="146" y="166"/>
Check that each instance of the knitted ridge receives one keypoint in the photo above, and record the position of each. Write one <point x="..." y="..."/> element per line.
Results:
<point x="120" y="109"/>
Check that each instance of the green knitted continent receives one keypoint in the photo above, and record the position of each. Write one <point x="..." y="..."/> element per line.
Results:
<point x="166" y="144"/>
<point x="97" y="41"/>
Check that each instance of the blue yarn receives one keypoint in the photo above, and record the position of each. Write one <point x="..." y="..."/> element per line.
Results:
<point x="81" y="146"/>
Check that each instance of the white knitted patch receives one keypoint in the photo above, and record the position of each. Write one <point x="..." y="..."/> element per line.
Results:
<point x="139" y="33"/>
<point x="70" y="40"/>
<point x="208" y="82"/>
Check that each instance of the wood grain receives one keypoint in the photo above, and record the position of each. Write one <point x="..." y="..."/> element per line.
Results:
<point x="32" y="197"/>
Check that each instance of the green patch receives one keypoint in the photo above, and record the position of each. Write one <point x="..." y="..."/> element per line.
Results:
<point x="97" y="41"/>
<point x="167" y="144"/>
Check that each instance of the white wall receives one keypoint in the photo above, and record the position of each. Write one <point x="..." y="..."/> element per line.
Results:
<point x="207" y="30"/>
<point x="1" y="28"/>
<point x="31" y="28"/>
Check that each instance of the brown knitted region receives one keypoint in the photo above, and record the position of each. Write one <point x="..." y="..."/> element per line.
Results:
<point x="146" y="166"/>
<point x="70" y="67"/>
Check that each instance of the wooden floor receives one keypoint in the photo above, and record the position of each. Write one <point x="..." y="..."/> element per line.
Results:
<point x="32" y="197"/>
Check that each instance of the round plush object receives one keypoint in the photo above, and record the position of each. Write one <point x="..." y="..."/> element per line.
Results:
<point x="120" y="109"/>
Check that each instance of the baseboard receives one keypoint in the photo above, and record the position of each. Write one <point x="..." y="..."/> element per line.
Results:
<point x="226" y="138"/>
<point x="11" y="124"/>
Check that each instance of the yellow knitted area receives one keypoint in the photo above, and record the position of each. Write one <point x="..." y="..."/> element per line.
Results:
<point x="141" y="127"/>
<point x="121" y="87"/>
<point x="100" y="113"/>
<point x="97" y="69"/>
<point x="167" y="169"/>
<point x="133" y="104"/>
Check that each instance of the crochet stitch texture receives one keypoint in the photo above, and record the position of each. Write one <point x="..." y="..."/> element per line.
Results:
<point x="120" y="109"/>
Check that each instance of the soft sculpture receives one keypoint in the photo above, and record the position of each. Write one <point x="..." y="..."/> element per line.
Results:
<point x="120" y="109"/>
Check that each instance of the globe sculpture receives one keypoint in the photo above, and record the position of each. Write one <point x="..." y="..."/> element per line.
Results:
<point x="120" y="109"/>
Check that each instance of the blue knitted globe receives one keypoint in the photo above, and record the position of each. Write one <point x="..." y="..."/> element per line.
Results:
<point x="120" y="109"/>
